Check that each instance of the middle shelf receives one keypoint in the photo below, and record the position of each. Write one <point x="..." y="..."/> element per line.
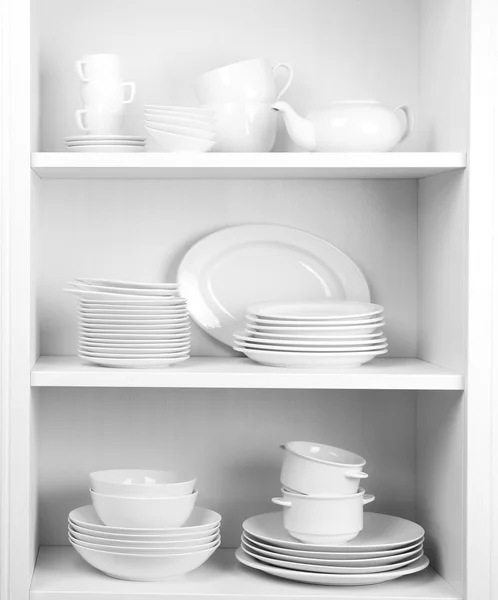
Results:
<point x="209" y="372"/>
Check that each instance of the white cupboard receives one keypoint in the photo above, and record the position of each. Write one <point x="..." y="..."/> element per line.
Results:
<point x="417" y="222"/>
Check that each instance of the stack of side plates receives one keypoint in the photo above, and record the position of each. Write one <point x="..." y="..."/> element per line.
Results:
<point x="313" y="334"/>
<point x="126" y="324"/>
<point x="387" y="548"/>
<point x="105" y="143"/>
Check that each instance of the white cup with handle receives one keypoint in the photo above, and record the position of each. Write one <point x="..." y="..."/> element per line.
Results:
<point x="98" y="66"/>
<point x="246" y="81"/>
<point x="100" y="121"/>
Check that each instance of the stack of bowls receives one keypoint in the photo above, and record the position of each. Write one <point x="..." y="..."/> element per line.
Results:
<point x="181" y="128"/>
<point x="128" y="324"/>
<point x="143" y="525"/>
<point x="313" y="334"/>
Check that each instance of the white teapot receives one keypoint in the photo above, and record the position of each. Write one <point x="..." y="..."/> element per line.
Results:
<point x="363" y="126"/>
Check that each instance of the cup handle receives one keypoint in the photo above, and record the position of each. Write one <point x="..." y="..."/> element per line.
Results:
<point x="290" y="72"/>
<point x="367" y="498"/>
<point x="281" y="502"/>
<point x="132" y="87"/>
<point x="80" y="72"/>
<point x="410" y="122"/>
<point x="79" y="119"/>
<point x="355" y="475"/>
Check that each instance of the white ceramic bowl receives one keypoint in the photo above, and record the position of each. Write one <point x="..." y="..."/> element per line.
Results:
<point x="311" y="468"/>
<point x="143" y="513"/>
<point x="140" y="549"/>
<point x="141" y="483"/>
<point x="179" y="120"/>
<point x="188" y="131"/>
<point x="150" y="542"/>
<point x="201" y="521"/>
<point x="136" y="567"/>
<point x="171" y="142"/>
<point x="194" y="110"/>
<point x="323" y="519"/>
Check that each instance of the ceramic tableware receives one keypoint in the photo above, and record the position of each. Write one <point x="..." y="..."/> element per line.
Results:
<point x="191" y="122"/>
<point x="324" y="310"/>
<point x="172" y="142"/>
<point x="303" y="343"/>
<point x="150" y="543"/>
<point x="185" y="131"/>
<point x="142" y="483"/>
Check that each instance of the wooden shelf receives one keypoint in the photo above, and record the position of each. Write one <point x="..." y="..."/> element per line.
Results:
<point x="290" y="165"/>
<point x="60" y="574"/>
<point x="204" y="372"/>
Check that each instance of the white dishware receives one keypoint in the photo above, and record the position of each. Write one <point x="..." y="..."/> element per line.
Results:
<point x="161" y="323"/>
<point x="355" y="569"/>
<point x="304" y="360"/>
<point x="200" y="521"/>
<point x="100" y="120"/>
<point x="118" y="283"/>
<point x="122" y="341"/>
<point x="259" y="321"/>
<point x="186" y="131"/>
<point x="304" y="338"/>
<point x="245" y="127"/>
<point x="172" y="142"/>
<point x="98" y="66"/>
<point x="132" y="314"/>
<point x="307" y="349"/>
<point x="134" y="363"/>
<point x="143" y="513"/>
<point x="128" y="291"/>
<point x="106" y="148"/>
<point x="135" y="336"/>
<point x="142" y="483"/>
<point x="148" y="551"/>
<point x="246" y="81"/>
<point x="348" y="559"/>
<point x="128" y="299"/>
<point x="136" y="567"/>
<point x="149" y="544"/>
<point x="194" y="110"/>
<point x="103" y="138"/>
<point x="160" y="356"/>
<point x="316" y="332"/>
<point x="104" y="143"/>
<point x="332" y="579"/>
<point x="324" y="310"/>
<point x="323" y="519"/>
<point x="227" y="271"/>
<point x="354" y="126"/>
<point x="141" y="327"/>
<point x="313" y="468"/>
<point x="110" y="352"/>
<point x="107" y="93"/>
<point x="190" y="122"/>
<point x="380" y="532"/>
<point x="314" y="344"/>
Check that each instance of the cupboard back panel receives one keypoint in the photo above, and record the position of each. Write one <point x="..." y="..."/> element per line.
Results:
<point x="140" y="230"/>
<point x="339" y="50"/>
<point x="229" y="438"/>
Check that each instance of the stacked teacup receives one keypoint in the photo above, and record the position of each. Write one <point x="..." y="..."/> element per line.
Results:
<point x="143" y="525"/>
<point x="322" y="500"/>
<point x="104" y="96"/>
<point x="242" y="95"/>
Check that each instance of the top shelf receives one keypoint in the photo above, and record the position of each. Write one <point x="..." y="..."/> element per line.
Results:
<point x="273" y="165"/>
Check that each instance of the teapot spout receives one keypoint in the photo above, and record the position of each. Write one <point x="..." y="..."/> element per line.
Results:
<point x="301" y="130"/>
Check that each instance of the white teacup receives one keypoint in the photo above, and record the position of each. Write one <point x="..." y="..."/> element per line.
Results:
<point x="99" y="66"/>
<point x="108" y="93"/>
<point x="247" y="81"/>
<point x="245" y="127"/>
<point x="100" y="120"/>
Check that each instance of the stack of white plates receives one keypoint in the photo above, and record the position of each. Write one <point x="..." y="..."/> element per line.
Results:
<point x="105" y="143"/>
<point x="127" y="324"/>
<point x="313" y="334"/>
<point x="387" y="548"/>
<point x="181" y="128"/>
<point x="144" y="554"/>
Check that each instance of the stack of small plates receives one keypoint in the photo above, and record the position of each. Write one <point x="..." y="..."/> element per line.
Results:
<point x="313" y="334"/>
<point x="105" y="143"/>
<point x="144" y="554"/>
<point x="387" y="548"/>
<point x="127" y="324"/>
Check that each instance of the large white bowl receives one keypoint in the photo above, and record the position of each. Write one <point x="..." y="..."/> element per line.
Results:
<point x="151" y="542"/>
<point x="142" y="483"/>
<point x="201" y="520"/>
<point x="136" y="567"/>
<point x="189" y="131"/>
<point x="140" y="549"/>
<point x="171" y="142"/>
<point x="143" y="513"/>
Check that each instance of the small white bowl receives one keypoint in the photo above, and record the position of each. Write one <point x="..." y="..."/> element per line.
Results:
<point x="143" y="513"/>
<point x="136" y="567"/>
<point x="171" y="142"/>
<point x="195" y="110"/>
<point x="201" y="134"/>
<point x="181" y="121"/>
<point x="141" y="483"/>
<point x="143" y="542"/>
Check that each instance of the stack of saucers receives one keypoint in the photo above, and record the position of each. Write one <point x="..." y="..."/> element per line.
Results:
<point x="105" y="143"/>
<point x="181" y="128"/>
<point x="313" y="334"/>
<point x="128" y="324"/>
<point x="143" y="525"/>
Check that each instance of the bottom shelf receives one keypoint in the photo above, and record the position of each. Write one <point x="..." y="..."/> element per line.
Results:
<point x="60" y="574"/>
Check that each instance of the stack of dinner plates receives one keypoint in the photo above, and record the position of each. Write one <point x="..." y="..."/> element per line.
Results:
<point x="313" y="334"/>
<point x="128" y="324"/>
<point x="387" y="548"/>
<point x="105" y="143"/>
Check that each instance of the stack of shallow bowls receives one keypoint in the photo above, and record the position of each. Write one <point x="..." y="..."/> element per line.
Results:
<point x="313" y="334"/>
<point x="128" y="324"/>
<point x="143" y="525"/>
<point x="181" y="128"/>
